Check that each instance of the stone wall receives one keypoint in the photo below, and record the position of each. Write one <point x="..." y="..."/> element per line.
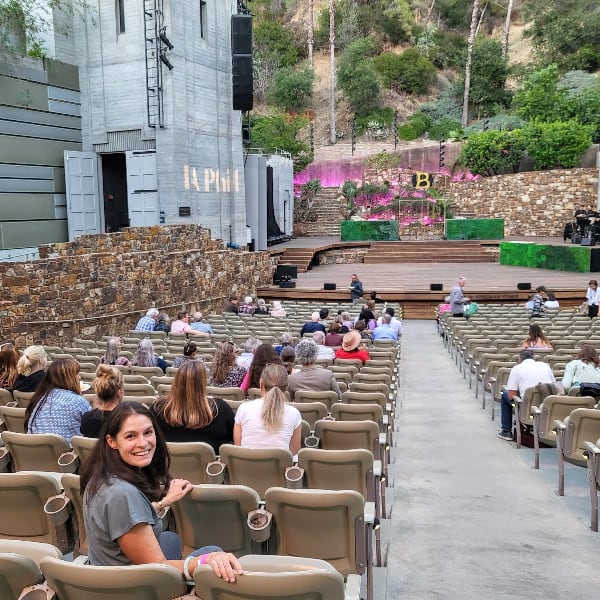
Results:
<point x="101" y="284"/>
<point x="342" y="256"/>
<point x="533" y="204"/>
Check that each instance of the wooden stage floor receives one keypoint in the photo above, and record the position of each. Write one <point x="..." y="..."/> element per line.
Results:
<point x="409" y="283"/>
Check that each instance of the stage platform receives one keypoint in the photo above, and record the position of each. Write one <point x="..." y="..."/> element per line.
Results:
<point x="409" y="284"/>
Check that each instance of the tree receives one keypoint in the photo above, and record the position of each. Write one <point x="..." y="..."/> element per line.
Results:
<point x="311" y="31"/>
<point x="540" y="97"/>
<point x="291" y="89"/>
<point x="470" y="46"/>
<point x="506" y="30"/>
<point x="492" y="152"/>
<point x="407" y="72"/>
<point x="332" y="131"/>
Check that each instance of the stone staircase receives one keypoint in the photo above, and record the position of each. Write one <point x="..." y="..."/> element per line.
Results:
<point x="438" y="251"/>
<point x="327" y="207"/>
<point x="301" y="257"/>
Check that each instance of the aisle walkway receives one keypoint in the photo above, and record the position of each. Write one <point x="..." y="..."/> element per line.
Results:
<point x="471" y="519"/>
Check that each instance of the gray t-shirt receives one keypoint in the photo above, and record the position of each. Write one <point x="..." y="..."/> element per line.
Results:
<point x="111" y="512"/>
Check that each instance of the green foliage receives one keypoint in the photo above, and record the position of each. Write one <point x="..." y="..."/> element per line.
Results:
<point x="556" y="145"/>
<point x="540" y="97"/>
<point x="292" y="90"/>
<point x="446" y="128"/>
<point x="311" y="188"/>
<point x="280" y="133"/>
<point x="361" y="49"/>
<point x="407" y="72"/>
<point x="415" y="127"/>
<point x="585" y="108"/>
<point x="448" y="50"/>
<point x="449" y="104"/>
<point x="273" y="39"/>
<point x="456" y="13"/>
<point x="492" y="152"/>
<point x="383" y="160"/>
<point x="382" y="117"/>
<point x="500" y="122"/>
<point x="587" y="58"/>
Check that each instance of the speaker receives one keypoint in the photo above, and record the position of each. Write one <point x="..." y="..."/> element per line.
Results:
<point x="436" y="287"/>
<point x="287" y="284"/>
<point x="524" y="286"/>
<point x="329" y="286"/>
<point x="575" y="239"/>
<point x="588" y="241"/>
<point x="241" y="62"/>
<point x="241" y="34"/>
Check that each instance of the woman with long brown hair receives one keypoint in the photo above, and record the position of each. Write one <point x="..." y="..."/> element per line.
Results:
<point x="265" y="354"/>
<point x="109" y="389"/>
<point x="225" y="371"/>
<point x="187" y="414"/>
<point x="57" y="405"/>
<point x="9" y="357"/>
<point x="536" y="338"/>
<point x="269" y="421"/>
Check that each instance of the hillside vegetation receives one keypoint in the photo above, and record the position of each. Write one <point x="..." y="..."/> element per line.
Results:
<point x="401" y="71"/>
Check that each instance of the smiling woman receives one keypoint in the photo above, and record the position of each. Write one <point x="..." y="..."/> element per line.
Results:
<point x="125" y="484"/>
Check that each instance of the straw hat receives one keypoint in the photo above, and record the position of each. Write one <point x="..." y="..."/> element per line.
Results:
<point x="351" y="341"/>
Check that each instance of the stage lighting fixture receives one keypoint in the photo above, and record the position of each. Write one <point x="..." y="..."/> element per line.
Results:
<point x="165" y="40"/>
<point x="166" y="61"/>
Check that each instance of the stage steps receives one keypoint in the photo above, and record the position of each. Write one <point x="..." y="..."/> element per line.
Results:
<point x="301" y="257"/>
<point x="431" y="252"/>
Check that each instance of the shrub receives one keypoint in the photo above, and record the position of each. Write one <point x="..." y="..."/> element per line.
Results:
<point x="272" y="38"/>
<point x="446" y="128"/>
<point x="384" y="118"/>
<point x="493" y="152"/>
<point x="292" y="90"/>
<point x="415" y="127"/>
<point x="357" y="78"/>
<point x="417" y="73"/>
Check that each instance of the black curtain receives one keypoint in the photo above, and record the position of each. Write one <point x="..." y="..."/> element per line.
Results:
<point x="273" y="229"/>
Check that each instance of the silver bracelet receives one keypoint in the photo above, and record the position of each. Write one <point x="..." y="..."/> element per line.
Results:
<point x="186" y="564"/>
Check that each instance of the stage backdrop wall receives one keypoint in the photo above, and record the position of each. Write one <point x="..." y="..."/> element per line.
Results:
<point x="581" y="259"/>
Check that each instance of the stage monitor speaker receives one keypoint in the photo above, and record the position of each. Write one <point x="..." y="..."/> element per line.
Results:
<point x="243" y="88"/>
<point x="241" y="34"/>
<point x="287" y="284"/>
<point x="588" y="241"/>
<point x="524" y="286"/>
<point x="575" y="239"/>
<point x="329" y="286"/>
<point x="436" y="287"/>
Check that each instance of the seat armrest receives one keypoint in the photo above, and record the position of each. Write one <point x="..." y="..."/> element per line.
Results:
<point x="536" y="410"/>
<point x="352" y="591"/>
<point x="377" y="468"/>
<point x="558" y="425"/>
<point x="517" y="400"/>
<point x="591" y="448"/>
<point x="369" y="512"/>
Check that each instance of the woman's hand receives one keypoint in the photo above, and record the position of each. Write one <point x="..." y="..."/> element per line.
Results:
<point x="225" y="565"/>
<point x="177" y="490"/>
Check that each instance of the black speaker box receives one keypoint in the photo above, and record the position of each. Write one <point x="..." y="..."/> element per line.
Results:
<point x="243" y="87"/>
<point x="436" y="287"/>
<point x="241" y="34"/>
<point x="524" y="286"/>
<point x="575" y="239"/>
<point x="587" y="241"/>
<point x="329" y="286"/>
<point x="287" y="284"/>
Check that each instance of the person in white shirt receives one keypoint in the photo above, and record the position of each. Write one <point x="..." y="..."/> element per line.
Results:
<point x="395" y="324"/>
<point x="527" y="373"/>
<point x="585" y="368"/>
<point x="325" y="352"/>
<point x="593" y="298"/>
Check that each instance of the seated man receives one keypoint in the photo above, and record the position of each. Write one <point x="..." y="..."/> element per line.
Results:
<point x="247" y="356"/>
<point x="527" y="373"/>
<point x="394" y="323"/>
<point x="199" y="324"/>
<point x="385" y="331"/>
<point x="325" y="352"/>
<point x="147" y="322"/>
<point x="312" y="377"/>
<point x="313" y="325"/>
<point x="231" y="306"/>
<point x="182" y="325"/>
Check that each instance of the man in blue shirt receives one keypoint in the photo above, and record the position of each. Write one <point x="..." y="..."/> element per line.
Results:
<point x="385" y="331"/>
<point x="313" y="325"/>
<point x="356" y="289"/>
<point x="200" y="325"/>
<point x="148" y="322"/>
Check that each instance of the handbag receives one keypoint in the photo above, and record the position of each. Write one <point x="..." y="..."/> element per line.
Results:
<point x="471" y="309"/>
<point x="589" y="389"/>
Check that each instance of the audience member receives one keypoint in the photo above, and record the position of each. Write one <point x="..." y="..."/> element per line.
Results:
<point x="247" y="308"/>
<point x="189" y="354"/>
<point x="278" y="310"/>
<point x="109" y="390"/>
<point x="9" y="357"/>
<point x="593" y="298"/>
<point x="333" y="337"/>
<point x="261" y="307"/>
<point x="351" y="347"/>
<point x="269" y="422"/>
<point x="551" y="302"/>
<point x="225" y="371"/>
<point x="288" y="358"/>
<point x="199" y="324"/>
<point x="356" y="289"/>
<point x="286" y="340"/>
<point x="231" y="306"/>
<point x="584" y="369"/>
<point x="182" y="325"/>
<point x="265" y="354"/>
<point x="312" y="377"/>
<point x="146" y="357"/>
<point x="187" y="414"/>
<point x="324" y="316"/>
<point x="361" y="327"/>
<point x="368" y="316"/>
<point x="535" y="338"/>
<point x="325" y="352"/>
<point x="376" y="298"/>
<point x="527" y="373"/>
<point x="458" y="298"/>
<point x="385" y="331"/>
<point x="313" y="325"/>
<point x="537" y="302"/>
<point x="57" y="405"/>
<point x="148" y="322"/>
<point x="124" y="485"/>
<point x="112" y="353"/>
<point x="394" y="323"/>
<point x="247" y="356"/>
<point x="31" y="368"/>
<point x="347" y="322"/>
<point x="163" y="323"/>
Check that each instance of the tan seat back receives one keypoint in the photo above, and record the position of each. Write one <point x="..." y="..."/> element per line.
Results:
<point x="189" y="460"/>
<point x="70" y="484"/>
<point x="327" y="397"/>
<point x="226" y="393"/>
<point x="13" y="417"/>
<point x="83" y="447"/>
<point x="35" y="452"/>
<point x="139" y="389"/>
<point x="342" y="411"/>
<point x="5" y="397"/>
<point x="22" y="398"/>
<point x="347" y="435"/>
<point x="583" y="424"/>
<point x="311" y="411"/>
<point x="363" y="397"/>
<point x="558" y="408"/>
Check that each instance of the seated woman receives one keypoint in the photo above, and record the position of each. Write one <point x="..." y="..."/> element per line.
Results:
<point x="265" y="354"/>
<point x="285" y="341"/>
<point x="112" y="354"/>
<point x="269" y="422"/>
<point x="31" y="368"/>
<point x="57" y="406"/>
<point x="584" y="369"/>
<point x="189" y="354"/>
<point x="362" y="329"/>
<point x="186" y="414"/>
<point x="351" y="348"/>
<point x="163" y="322"/>
<point x="367" y="314"/>
<point x="225" y="371"/>
<point x="278" y="310"/>
<point x="109" y="387"/>
<point x="146" y="357"/>
<point x="347" y="323"/>
<point x="552" y="302"/>
<point x="535" y="338"/>
<point x="288" y="358"/>
<point x="261" y="307"/>
<point x="9" y="357"/>
<point x="334" y="337"/>
<point x="124" y="484"/>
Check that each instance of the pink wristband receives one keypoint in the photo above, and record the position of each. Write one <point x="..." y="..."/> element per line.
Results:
<point x="203" y="559"/>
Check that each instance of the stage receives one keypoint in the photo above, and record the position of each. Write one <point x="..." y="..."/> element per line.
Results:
<point x="409" y="284"/>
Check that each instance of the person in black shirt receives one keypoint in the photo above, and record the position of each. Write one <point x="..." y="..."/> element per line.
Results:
<point x="109" y="389"/>
<point x="31" y="368"/>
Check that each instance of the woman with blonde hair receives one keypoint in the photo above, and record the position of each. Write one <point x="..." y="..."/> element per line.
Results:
<point x="9" y="357"/>
<point x="57" y="405"/>
<point x="146" y="357"/>
<point x="187" y="414"/>
<point x="109" y="389"/>
<point x="112" y="354"/>
<point x="225" y="371"/>
<point x="31" y="368"/>
<point x="269" y="421"/>
<point x="535" y="338"/>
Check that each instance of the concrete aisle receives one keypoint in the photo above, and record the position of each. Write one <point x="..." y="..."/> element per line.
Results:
<point x="470" y="518"/>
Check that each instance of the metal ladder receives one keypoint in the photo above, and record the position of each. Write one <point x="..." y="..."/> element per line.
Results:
<point x="154" y="90"/>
